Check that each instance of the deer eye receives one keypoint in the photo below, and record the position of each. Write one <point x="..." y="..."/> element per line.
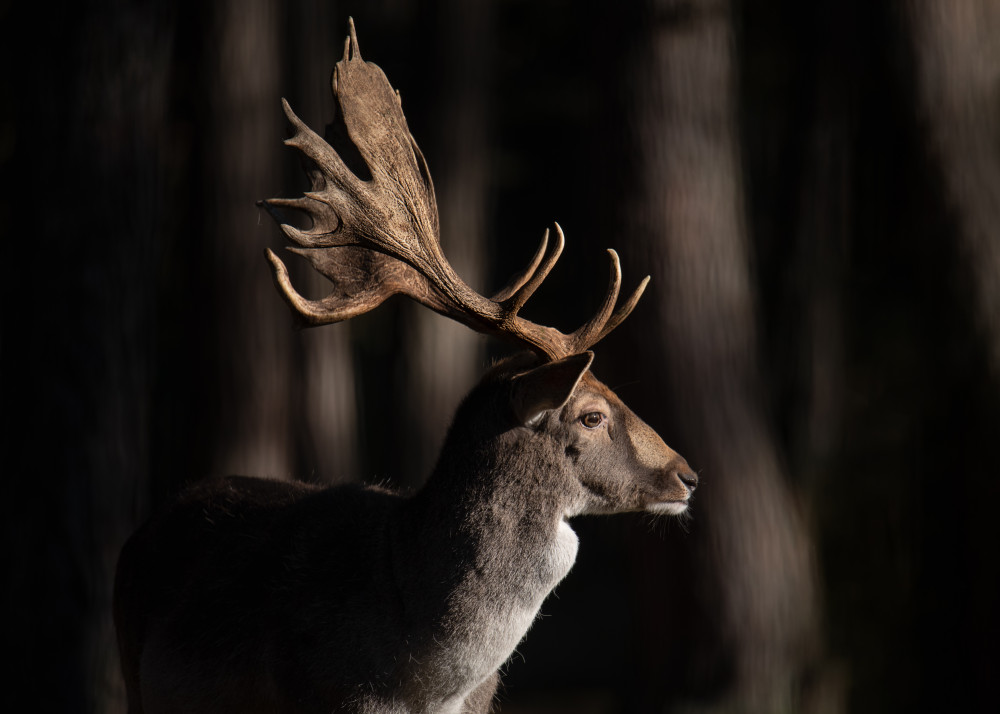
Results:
<point x="592" y="420"/>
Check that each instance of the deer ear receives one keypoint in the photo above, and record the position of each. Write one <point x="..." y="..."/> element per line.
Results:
<point x="548" y="386"/>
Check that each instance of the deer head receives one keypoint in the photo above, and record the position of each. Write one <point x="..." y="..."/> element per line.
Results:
<point x="596" y="455"/>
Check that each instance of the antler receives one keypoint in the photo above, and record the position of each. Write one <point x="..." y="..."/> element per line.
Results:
<point x="378" y="237"/>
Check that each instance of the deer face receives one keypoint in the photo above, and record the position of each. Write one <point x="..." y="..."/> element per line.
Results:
<point x="612" y="460"/>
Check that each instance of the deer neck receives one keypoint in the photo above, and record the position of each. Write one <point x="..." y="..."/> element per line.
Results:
<point x="499" y="501"/>
<point x="479" y="549"/>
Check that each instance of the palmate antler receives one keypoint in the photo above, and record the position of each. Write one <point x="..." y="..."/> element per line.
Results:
<point x="378" y="237"/>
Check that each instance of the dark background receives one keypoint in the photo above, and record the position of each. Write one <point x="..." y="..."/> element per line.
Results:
<point x="814" y="188"/>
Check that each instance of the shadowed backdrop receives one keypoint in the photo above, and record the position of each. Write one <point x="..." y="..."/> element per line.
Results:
<point x="813" y="188"/>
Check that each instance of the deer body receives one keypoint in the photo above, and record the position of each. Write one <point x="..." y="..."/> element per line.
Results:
<point x="260" y="596"/>
<point x="255" y="595"/>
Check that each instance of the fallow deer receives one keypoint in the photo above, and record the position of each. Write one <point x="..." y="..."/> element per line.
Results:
<point x="255" y="595"/>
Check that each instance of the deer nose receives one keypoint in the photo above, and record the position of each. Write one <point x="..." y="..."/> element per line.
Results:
<point x="688" y="477"/>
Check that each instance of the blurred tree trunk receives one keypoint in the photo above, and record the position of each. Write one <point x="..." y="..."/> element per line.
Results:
<point x="251" y="389"/>
<point x="443" y="359"/>
<point x="325" y="426"/>
<point x="957" y="50"/>
<point x="743" y="635"/>
<point x="91" y="158"/>
<point x="124" y="85"/>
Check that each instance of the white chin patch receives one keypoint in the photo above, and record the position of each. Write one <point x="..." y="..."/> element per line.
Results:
<point x="670" y="508"/>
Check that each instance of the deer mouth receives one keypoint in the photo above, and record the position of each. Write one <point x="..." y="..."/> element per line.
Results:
<point x="668" y="508"/>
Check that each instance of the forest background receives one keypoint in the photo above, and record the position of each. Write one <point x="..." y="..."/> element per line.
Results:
<point x="813" y="186"/>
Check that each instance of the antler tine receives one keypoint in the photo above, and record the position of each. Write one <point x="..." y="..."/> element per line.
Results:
<point x="620" y="314"/>
<point x="322" y="154"/>
<point x="536" y="275"/>
<point x="351" y="48"/>
<point x="302" y="203"/>
<point x="325" y="223"/>
<point x="587" y="334"/>
<point x="523" y="285"/>
<point x="521" y="277"/>
<point x="624" y="311"/>
<point x="310" y="312"/>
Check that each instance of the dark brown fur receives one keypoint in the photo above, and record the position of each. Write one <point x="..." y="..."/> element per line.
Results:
<point x="263" y="596"/>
